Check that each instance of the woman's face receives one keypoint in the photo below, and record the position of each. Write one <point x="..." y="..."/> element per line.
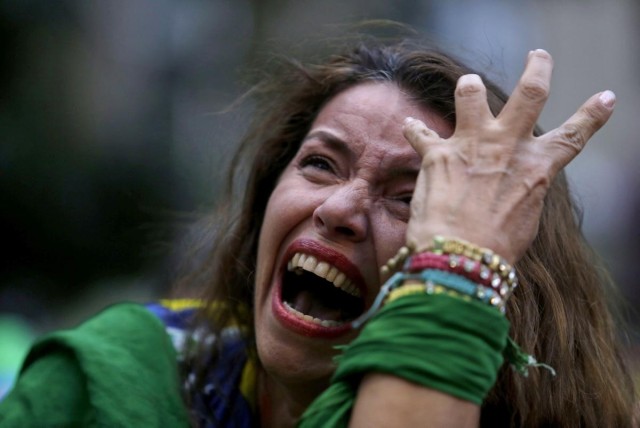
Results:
<point x="338" y="212"/>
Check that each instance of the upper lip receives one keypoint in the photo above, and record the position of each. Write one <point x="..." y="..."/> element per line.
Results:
<point x="334" y="259"/>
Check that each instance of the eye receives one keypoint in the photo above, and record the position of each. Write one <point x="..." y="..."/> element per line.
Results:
<point x="406" y="198"/>
<point x="399" y="206"/>
<point x="318" y="162"/>
<point x="401" y="201"/>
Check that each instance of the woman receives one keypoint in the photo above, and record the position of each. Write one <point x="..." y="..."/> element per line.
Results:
<point x="548" y="314"/>
<point x="383" y="146"/>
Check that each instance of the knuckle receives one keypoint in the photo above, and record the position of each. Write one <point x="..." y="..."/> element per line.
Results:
<point x="537" y="184"/>
<point x="537" y="187"/>
<point x="542" y="179"/>
<point x="537" y="174"/>
<point x="593" y="114"/>
<point x="437" y="154"/>
<point x="573" y="138"/>
<point x="535" y="90"/>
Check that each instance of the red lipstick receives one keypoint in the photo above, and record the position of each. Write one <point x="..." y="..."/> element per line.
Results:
<point x="324" y="254"/>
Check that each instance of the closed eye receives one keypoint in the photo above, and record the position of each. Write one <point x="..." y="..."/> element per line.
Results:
<point x="405" y="198"/>
<point x="399" y="206"/>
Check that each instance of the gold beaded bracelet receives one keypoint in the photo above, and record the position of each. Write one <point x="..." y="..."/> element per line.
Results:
<point x="442" y="245"/>
<point x="460" y="285"/>
<point x="503" y="278"/>
<point x="413" y="287"/>
<point x="394" y="262"/>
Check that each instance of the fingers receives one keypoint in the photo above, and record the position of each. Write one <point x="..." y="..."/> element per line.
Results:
<point x="525" y="104"/>
<point x="419" y="135"/>
<point x="472" y="109"/>
<point x="565" y="142"/>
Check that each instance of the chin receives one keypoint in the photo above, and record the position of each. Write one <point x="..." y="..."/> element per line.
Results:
<point x="295" y="362"/>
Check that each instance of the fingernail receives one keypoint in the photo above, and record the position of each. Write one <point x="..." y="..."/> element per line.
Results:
<point x="541" y="53"/>
<point x="608" y="98"/>
<point x="472" y="79"/>
<point x="408" y="120"/>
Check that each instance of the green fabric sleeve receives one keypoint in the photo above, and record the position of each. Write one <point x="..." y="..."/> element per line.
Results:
<point x="116" y="370"/>
<point x="29" y="405"/>
<point x="438" y="341"/>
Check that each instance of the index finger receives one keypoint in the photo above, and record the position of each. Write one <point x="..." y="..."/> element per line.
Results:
<point x="523" y="108"/>
<point x="419" y="135"/>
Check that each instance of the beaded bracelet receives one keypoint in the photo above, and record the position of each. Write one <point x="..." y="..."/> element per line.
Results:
<point x="461" y="285"/>
<point x="459" y="247"/>
<point x="410" y="288"/>
<point x="442" y="261"/>
<point x="495" y="294"/>
<point x="487" y="257"/>
<point x="431" y="277"/>
<point x="471" y="269"/>
<point x="394" y="262"/>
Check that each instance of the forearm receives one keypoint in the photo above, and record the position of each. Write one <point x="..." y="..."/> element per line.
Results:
<point x="388" y="401"/>
<point x="420" y="358"/>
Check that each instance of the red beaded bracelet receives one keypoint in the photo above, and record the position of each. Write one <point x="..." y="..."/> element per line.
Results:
<point x="471" y="269"/>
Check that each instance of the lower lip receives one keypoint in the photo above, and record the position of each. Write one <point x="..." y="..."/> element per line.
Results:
<point x="300" y="326"/>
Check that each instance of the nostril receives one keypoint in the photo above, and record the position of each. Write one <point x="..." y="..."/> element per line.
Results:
<point x="340" y="230"/>
<point x="342" y="215"/>
<point x="345" y="231"/>
<point x="318" y="221"/>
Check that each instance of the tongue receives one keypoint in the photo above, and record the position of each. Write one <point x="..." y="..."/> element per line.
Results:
<point x="305" y="303"/>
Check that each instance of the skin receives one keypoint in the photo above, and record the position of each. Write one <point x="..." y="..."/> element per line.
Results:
<point x="353" y="199"/>
<point x="491" y="176"/>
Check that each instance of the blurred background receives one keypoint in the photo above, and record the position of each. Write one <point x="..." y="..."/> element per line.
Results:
<point x="112" y="137"/>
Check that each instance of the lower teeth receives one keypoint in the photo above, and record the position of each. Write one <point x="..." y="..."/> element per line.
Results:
<point x="309" y="318"/>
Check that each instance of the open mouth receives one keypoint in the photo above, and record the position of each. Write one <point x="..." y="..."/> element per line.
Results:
<point x="319" y="293"/>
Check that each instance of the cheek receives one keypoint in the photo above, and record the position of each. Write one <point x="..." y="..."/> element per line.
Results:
<point x="389" y="237"/>
<point x="267" y="242"/>
<point x="287" y="208"/>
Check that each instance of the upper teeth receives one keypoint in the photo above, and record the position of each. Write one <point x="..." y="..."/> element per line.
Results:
<point x="301" y="261"/>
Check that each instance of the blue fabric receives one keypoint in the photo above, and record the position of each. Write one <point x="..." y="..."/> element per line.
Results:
<point x="220" y="402"/>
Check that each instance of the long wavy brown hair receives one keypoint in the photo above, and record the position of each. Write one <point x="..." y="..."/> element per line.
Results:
<point x="560" y="313"/>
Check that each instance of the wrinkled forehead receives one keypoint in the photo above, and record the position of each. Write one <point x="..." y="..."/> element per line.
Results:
<point x="369" y="116"/>
<point x="380" y="106"/>
<point x="364" y="123"/>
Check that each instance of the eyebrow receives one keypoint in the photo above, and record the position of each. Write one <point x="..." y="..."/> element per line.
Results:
<point x="404" y="172"/>
<point x="342" y="146"/>
<point x="331" y="140"/>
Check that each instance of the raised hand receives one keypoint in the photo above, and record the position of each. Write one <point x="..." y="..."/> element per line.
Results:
<point x="487" y="182"/>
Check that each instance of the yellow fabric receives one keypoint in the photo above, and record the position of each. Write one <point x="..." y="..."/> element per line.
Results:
<point x="182" y="304"/>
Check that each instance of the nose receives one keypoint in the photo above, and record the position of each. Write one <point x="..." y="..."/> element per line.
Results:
<point x="344" y="214"/>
